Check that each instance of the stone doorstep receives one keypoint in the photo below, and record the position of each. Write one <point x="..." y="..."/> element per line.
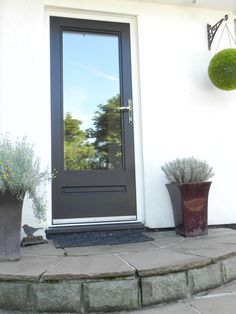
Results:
<point x="89" y="267"/>
<point x="163" y="261"/>
<point x="120" y="293"/>
<point x="28" y="269"/>
<point x="174" y="269"/>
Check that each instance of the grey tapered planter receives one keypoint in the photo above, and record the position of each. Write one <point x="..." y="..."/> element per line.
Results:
<point x="10" y="227"/>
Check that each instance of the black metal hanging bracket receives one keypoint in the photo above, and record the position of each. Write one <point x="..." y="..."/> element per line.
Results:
<point x="211" y="30"/>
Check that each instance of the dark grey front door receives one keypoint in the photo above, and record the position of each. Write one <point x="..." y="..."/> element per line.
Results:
<point x="92" y="122"/>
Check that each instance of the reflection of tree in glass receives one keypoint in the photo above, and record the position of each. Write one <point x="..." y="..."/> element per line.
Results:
<point x="78" y="152"/>
<point x="98" y="147"/>
<point x="107" y="135"/>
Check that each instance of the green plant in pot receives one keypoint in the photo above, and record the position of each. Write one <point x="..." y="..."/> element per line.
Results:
<point x="189" y="188"/>
<point x="20" y="175"/>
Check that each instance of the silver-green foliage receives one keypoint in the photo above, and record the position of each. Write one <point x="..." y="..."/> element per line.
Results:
<point x="187" y="170"/>
<point x="20" y="173"/>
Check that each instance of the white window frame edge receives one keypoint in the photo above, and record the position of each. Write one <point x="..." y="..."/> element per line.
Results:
<point x="138" y="147"/>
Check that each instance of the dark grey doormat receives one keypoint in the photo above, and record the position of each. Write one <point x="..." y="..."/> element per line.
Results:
<point x="98" y="238"/>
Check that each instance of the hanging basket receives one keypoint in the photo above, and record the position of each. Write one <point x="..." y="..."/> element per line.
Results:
<point x="222" y="69"/>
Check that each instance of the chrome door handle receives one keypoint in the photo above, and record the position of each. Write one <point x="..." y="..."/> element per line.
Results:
<point x="124" y="108"/>
<point x="129" y="108"/>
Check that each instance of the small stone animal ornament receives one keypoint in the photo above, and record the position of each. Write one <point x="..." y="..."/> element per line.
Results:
<point x="29" y="231"/>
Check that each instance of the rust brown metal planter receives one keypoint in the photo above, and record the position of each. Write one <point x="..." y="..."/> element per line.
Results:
<point x="190" y="207"/>
<point x="10" y="227"/>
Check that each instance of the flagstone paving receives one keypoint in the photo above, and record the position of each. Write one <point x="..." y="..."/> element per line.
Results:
<point x="125" y="277"/>
<point x="218" y="301"/>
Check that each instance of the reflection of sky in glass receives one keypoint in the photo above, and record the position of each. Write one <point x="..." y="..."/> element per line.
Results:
<point x="90" y="73"/>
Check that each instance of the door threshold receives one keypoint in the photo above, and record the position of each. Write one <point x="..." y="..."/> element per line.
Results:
<point x="93" y="220"/>
<point x="97" y="227"/>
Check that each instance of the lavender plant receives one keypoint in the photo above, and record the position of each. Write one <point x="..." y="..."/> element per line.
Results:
<point x="20" y="173"/>
<point x="187" y="170"/>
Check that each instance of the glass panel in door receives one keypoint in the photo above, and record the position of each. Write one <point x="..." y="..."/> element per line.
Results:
<point x="91" y="98"/>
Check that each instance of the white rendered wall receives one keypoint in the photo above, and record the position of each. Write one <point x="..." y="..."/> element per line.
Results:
<point x="182" y="113"/>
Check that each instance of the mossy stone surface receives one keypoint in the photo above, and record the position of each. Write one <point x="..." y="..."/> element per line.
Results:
<point x="222" y="69"/>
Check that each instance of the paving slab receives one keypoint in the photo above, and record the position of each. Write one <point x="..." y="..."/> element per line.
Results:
<point x="215" y="305"/>
<point x="45" y="249"/>
<point x="220" y="230"/>
<point x="12" y="312"/>
<point x="204" y="249"/>
<point x="162" y="234"/>
<point x="165" y="242"/>
<point x="222" y="236"/>
<point x="229" y="288"/>
<point x="29" y="268"/>
<point x="88" y="267"/>
<point x="178" y="308"/>
<point x="161" y="261"/>
<point x="109" y="249"/>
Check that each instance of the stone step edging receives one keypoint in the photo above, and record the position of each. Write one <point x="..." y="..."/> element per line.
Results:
<point x="113" y="294"/>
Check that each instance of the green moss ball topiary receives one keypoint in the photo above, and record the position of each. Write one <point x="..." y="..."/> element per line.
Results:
<point x="222" y="69"/>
